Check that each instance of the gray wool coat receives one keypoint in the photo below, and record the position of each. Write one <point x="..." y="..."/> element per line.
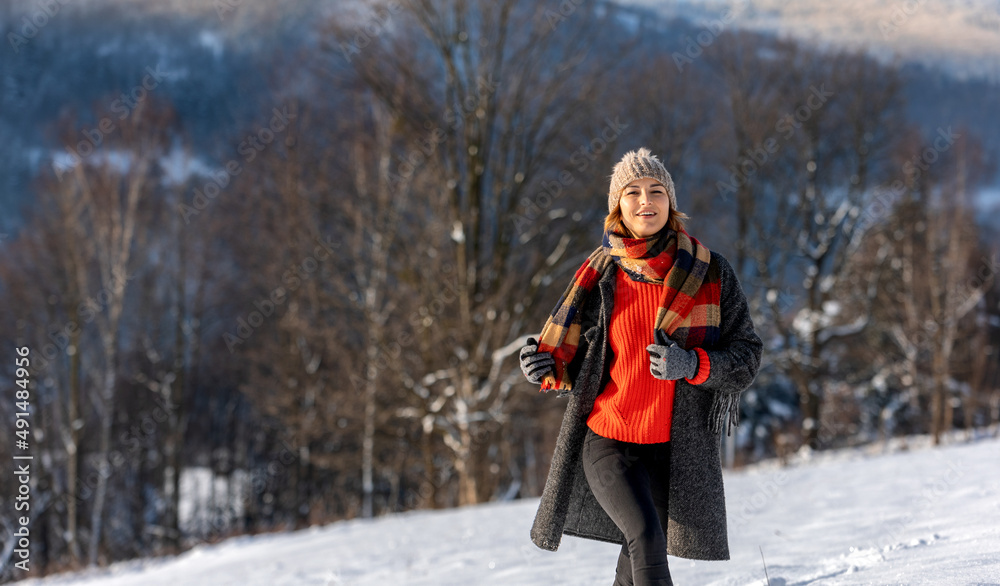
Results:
<point x="696" y="527"/>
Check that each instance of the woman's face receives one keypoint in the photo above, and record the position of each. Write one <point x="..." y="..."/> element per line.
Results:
<point x="645" y="206"/>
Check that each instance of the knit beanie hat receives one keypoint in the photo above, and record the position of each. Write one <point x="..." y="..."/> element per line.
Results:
<point x="635" y="165"/>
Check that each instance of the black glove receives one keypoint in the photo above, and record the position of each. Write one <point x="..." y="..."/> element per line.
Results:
<point x="668" y="361"/>
<point x="534" y="364"/>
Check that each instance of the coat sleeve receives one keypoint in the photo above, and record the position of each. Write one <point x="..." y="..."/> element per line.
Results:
<point x="731" y="365"/>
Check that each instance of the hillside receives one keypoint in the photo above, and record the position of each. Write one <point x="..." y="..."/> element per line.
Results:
<point x="958" y="36"/>
<point x="910" y="516"/>
<point x="961" y="37"/>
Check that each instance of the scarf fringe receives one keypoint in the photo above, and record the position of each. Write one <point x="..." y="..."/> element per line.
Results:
<point x="725" y="409"/>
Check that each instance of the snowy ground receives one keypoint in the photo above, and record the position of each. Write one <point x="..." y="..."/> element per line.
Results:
<point x="909" y="516"/>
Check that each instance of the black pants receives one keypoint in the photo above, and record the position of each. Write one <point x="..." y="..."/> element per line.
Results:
<point x="630" y="482"/>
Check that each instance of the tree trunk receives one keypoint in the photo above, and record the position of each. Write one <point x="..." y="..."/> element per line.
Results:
<point x="937" y="408"/>
<point x="175" y="432"/>
<point x="73" y="449"/>
<point x="809" y="402"/>
<point x="304" y="466"/>
<point x="104" y="471"/>
<point x="941" y="411"/>
<point x="531" y="476"/>
<point x="463" y="465"/>
<point x="368" y="442"/>
<point x="428" y="491"/>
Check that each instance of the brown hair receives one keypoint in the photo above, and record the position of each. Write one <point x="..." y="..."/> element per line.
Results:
<point x="614" y="223"/>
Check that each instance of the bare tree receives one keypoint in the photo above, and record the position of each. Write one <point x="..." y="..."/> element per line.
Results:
<point x="813" y="232"/>
<point x="491" y="112"/>
<point x="374" y="206"/>
<point x="106" y="195"/>
<point x="937" y="259"/>
<point x="757" y="88"/>
<point x="73" y="268"/>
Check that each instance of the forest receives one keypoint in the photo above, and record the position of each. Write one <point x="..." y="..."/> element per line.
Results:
<point x="274" y="270"/>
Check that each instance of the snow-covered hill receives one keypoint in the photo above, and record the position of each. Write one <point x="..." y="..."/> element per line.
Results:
<point x="961" y="37"/>
<point x="913" y="516"/>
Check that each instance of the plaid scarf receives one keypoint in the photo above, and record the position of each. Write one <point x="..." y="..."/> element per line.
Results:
<point x="689" y="309"/>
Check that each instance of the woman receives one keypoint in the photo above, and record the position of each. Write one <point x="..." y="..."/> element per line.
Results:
<point x="653" y="357"/>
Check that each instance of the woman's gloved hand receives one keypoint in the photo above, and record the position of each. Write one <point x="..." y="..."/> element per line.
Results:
<point x="668" y="361"/>
<point x="534" y="364"/>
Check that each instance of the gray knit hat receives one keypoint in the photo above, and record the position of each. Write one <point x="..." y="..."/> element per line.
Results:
<point x="635" y="165"/>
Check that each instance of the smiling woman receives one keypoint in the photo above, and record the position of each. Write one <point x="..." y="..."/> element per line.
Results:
<point x="647" y="202"/>
<point x="654" y="357"/>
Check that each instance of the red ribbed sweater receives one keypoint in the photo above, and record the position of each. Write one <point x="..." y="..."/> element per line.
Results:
<point x="635" y="406"/>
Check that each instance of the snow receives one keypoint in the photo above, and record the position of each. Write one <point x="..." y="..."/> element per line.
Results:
<point x="911" y="515"/>
<point x="212" y="41"/>
<point x="208" y="498"/>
